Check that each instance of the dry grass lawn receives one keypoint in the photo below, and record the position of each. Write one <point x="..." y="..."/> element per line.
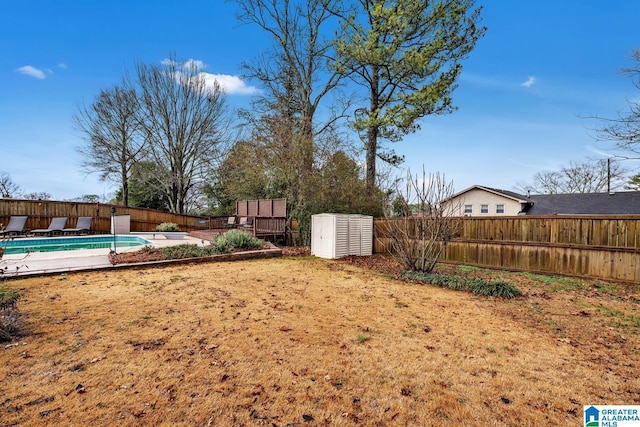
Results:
<point x="311" y="342"/>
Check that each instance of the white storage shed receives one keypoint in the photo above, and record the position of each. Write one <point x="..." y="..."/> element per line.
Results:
<point x="339" y="235"/>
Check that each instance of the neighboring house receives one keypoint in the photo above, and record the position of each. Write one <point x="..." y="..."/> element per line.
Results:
<point x="486" y="201"/>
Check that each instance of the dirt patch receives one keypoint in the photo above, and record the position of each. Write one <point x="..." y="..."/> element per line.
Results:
<point x="142" y="255"/>
<point x="307" y="341"/>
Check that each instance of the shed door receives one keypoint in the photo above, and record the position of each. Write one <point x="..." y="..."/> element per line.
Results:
<point x="322" y="236"/>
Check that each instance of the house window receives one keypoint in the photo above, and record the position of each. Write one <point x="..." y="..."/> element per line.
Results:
<point x="468" y="209"/>
<point x="484" y="208"/>
<point x="499" y="209"/>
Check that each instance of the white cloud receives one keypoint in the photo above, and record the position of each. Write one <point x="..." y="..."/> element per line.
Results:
<point x="62" y="65"/>
<point x="194" y="63"/>
<point x="530" y="82"/>
<point x="28" y="70"/>
<point x="188" y="64"/>
<point x="230" y="84"/>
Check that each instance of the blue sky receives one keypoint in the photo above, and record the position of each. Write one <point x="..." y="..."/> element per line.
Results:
<point x="523" y="97"/>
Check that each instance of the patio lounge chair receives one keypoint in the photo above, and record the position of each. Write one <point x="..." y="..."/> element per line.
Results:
<point x="246" y="223"/>
<point x="231" y="222"/>
<point x="83" y="226"/>
<point x="15" y="226"/>
<point x="56" y="226"/>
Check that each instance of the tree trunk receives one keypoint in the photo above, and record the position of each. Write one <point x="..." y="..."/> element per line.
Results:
<point x="125" y="190"/>
<point x="372" y="142"/>
<point x="372" y="134"/>
<point x="307" y="139"/>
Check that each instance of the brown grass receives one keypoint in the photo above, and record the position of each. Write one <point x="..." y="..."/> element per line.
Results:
<point x="304" y="341"/>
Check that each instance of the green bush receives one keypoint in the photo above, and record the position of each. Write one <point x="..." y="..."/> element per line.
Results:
<point x="187" y="251"/>
<point x="235" y="239"/>
<point x="168" y="226"/>
<point x="225" y="243"/>
<point x="499" y="289"/>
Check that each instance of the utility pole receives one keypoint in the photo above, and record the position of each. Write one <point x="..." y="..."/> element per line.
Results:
<point x="608" y="174"/>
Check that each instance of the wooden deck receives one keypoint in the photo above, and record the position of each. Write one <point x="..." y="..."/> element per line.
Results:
<point x="263" y="228"/>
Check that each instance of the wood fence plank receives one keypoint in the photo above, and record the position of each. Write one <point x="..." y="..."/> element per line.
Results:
<point x="588" y="246"/>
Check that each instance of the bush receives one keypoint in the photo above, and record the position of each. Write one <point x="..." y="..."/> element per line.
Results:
<point x="235" y="239"/>
<point x="187" y="251"/>
<point x="168" y="226"/>
<point x="499" y="289"/>
<point x="9" y="325"/>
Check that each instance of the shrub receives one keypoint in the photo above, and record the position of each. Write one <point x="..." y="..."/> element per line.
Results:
<point x="9" y="325"/>
<point x="168" y="226"/>
<point x="499" y="289"/>
<point x="187" y="251"/>
<point x="235" y="239"/>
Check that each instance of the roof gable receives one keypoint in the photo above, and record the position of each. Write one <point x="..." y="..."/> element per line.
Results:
<point x="504" y="193"/>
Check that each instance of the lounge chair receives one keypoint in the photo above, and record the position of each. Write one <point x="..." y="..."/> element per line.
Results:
<point x="83" y="226"/>
<point x="246" y="223"/>
<point x="231" y="222"/>
<point x="56" y="226"/>
<point x="15" y="226"/>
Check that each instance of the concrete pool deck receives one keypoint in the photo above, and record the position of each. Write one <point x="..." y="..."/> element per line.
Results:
<point x="38" y="263"/>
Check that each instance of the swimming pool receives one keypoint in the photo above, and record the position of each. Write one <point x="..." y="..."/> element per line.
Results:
<point x="51" y="244"/>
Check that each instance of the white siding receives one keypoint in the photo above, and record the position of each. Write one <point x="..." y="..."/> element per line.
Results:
<point x="341" y="237"/>
<point x="354" y="235"/>
<point x="366" y="235"/>
<point x="478" y="197"/>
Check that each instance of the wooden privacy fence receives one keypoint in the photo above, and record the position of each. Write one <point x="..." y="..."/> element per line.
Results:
<point x="269" y="216"/>
<point x="603" y="247"/>
<point x="40" y="213"/>
<point x="263" y="208"/>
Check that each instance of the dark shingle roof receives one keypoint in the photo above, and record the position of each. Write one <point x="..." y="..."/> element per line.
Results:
<point x="620" y="203"/>
<point x="507" y="193"/>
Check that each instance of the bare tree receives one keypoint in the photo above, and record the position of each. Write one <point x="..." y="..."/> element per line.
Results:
<point x="423" y="222"/>
<point x="112" y="142"/>
<point x="295" y="73"/>
<point x="624" y="130"/>
<point x="591" y="176"/>
<point x="8" y="188"/>
<point x="42" y="195"/>
<point x="296" y="82"/>
<point x="185" y="123"/>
